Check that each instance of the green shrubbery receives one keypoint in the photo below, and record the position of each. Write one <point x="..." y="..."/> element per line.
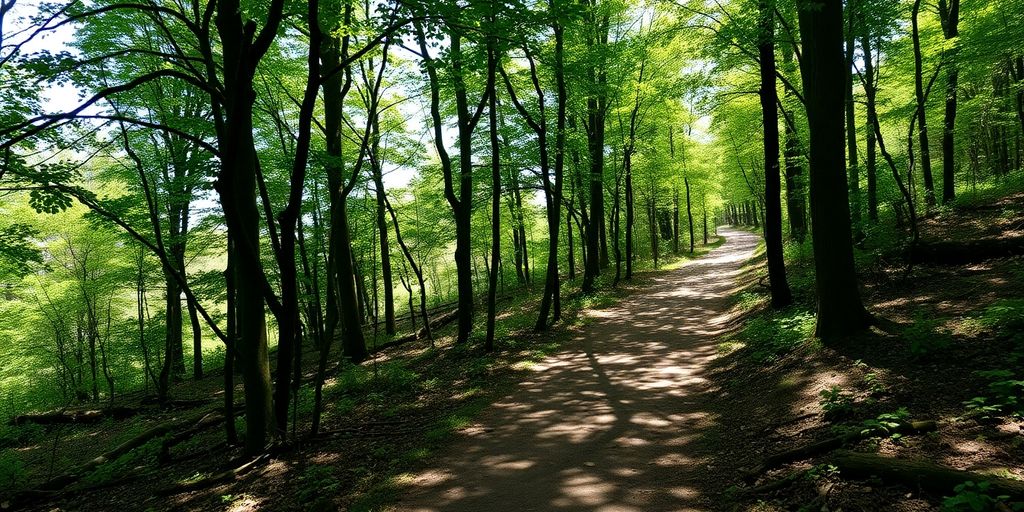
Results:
<point x="773" y="334"/>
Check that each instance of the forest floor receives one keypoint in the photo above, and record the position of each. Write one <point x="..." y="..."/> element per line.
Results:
<point x="948" y="348"/>
<point x="662" y="394"/>
<point x="616" y="420"/>
<point x="382" y="420"/>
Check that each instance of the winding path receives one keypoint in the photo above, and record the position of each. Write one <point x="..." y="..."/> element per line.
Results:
<point x="611" y="423"/>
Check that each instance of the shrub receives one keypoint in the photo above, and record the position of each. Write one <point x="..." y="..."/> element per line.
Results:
<point x="774" y="334"/>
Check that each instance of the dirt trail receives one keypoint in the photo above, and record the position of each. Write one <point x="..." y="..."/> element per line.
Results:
<point x="611" y="423"/>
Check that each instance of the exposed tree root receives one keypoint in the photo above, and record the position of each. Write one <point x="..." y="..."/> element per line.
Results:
<point x="920" y="474"/>
<point x="967" y="251"/>
<point x="78" y="416"/>
<point x="832" y="443"/>
<point x="215" y="479"/>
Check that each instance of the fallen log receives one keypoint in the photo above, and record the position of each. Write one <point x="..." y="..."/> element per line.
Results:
<point x="75" y="416"/>
<point x="438" y="322"/>
<point x="206" y="422"/>
<point x="810" y="450"/>
<point x="215" y="479"/>
<point x="775" y="485"/>
<point x="916" y="474"/>
<point x="62" y="481"/>
<point x="967" y="251"/>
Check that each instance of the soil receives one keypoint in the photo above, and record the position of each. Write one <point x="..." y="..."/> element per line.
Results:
<point x="643" y="408"/>
<point x="617" y="421"/>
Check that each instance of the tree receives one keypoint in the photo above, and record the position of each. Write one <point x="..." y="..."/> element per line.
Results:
<point x="781" y="296"/>
<point x="840" y="311"/>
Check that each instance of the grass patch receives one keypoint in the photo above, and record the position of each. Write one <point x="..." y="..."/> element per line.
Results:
<point x="775" y="333"/>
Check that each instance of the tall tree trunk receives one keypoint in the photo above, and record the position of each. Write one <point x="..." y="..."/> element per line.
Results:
<point x="922" y="123"/>
<point x="230" y="344"/>
<point x="492" y="115"/>
<point x="781" y="296"/>
<point x="840" y="311"/>
<point x="627" y="163"/>
<point x="597" y="249"/>
<point x="675" y="219"/>
<point x="197" y="341"/>
<point x="342" y="299"/>
<point x="869" y="93"/>
<point x="689" y="212"/>
<point x="385" y="255"/>
<point x="241" y="53"/>
<point x="949" y="15"/>
<point x="851" y="125"/>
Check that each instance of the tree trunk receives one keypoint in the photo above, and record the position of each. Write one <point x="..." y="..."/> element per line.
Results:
<point x="840" y="311"/>
<point x="869" y="93"/>
<point x="851" y="126"/>
<point x="628" y="169"/>
<point x="492" y="114"/>
<point x="689" y="213"/>
<point x="949" y="15"/>
<point x="342" y="299"/>
<point x="922" y="123"/>
<point x="781" y="296"/>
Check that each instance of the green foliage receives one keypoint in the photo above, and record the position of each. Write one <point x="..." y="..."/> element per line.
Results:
<point x="315" y="481"/>
<point x="1005" y="395"/>
<point x="775" y="333"/>
<point x="835" y="401"/>
<point x="13" y="474"/>
<point x="1005" y="317"/>
<point x="875" y="385"/>
<point x="112" y="469"/>
<point x="924" y="336"/>
<point x="388" y="378"/>
<point x="885" y="423"/>
<point x="977" y="497"/>
<point x="819" y="471"/>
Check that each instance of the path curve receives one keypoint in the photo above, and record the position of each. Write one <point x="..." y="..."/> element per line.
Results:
<point x="612" y="422"/>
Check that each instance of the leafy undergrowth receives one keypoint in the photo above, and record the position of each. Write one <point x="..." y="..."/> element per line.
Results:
<point x="382" y="420"/>
<point x="949" y="348"/>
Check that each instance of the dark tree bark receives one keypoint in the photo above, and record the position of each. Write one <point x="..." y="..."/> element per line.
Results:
<point x="492" y="117"/>
<point x="461" y="203"/>
<point x="869" y="81"/>
<point x="342" y="295"/>
<point x="597" y="250"/>
<point x="922" y="123"/>
<point x="689" y="211"/>
<point x="768" y="93"/>
<point x="851" y="124"/>
<point x="840" y="311"/>
<point x="949" y="15"/>
<point x="241" y="51"/>
<point x="675" y="215"/>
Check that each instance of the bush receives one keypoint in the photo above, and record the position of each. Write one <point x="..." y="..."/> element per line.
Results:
<point x="13" y="475"/>
<point x="925" y="336"/>
<point x="976" y="497"/>
<point x="774" y="334"/>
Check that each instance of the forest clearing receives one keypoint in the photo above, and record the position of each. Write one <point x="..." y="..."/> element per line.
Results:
<point x="481" y="255"/>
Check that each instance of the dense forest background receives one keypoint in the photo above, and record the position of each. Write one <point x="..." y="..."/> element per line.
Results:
<point x="264" y="195"/>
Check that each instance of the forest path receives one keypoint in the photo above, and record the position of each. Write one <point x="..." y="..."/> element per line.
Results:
<point x="613" y="421"/>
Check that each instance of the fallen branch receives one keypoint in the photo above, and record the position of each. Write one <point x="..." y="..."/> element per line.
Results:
<point x="206" y="422"/>
<point x="921" y="475"/>
<point x="212" y="480"/>
<point x="775" y="485"/>
<point x="832" y="443"/>
<point x="78" y="416"/>
<point x="62" y="481"/>
<point x="968" y="251"/>
<point x="438" y="322"/>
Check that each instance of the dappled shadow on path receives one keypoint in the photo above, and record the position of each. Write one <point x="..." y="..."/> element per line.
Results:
<point x="611" y="423"/>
